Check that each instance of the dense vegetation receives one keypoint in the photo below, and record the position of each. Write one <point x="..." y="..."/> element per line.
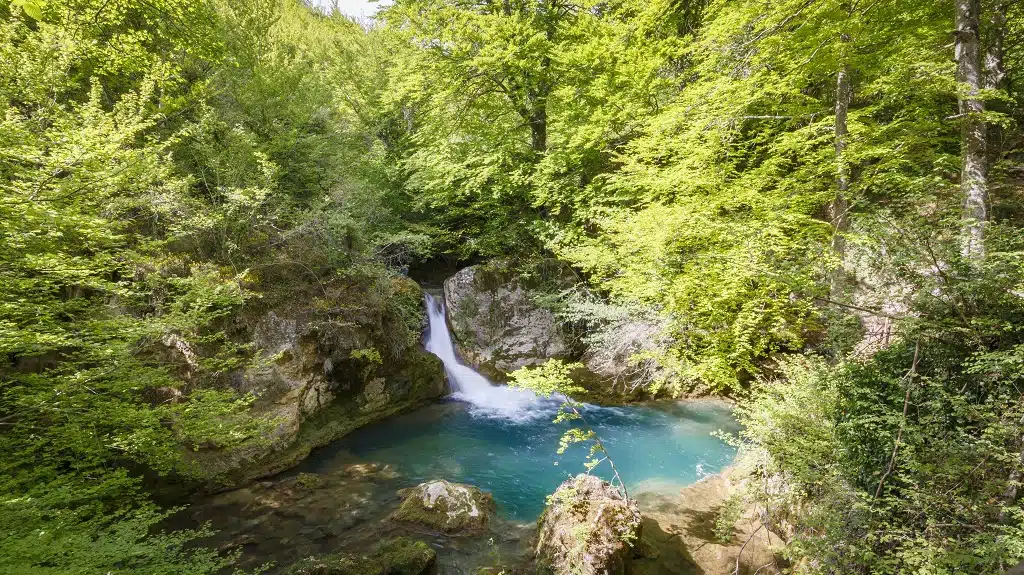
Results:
<point x="811" y="205"/>
<point x="163" y="165"/>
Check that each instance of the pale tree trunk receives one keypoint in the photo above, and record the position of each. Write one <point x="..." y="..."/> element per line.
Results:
<point x="973" y="179"/>
<point x="839" y="209"/>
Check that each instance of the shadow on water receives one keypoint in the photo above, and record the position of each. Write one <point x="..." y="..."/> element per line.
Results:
<point x="299" y="515"/>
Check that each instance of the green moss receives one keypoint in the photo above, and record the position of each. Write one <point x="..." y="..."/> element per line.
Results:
<point x="406" y="303"/>
<point x="455" y="508"/>
<point x="492" y="275"/>
<point x="399" y="556"/>
<point x="340" y="564"/>
<point x="405" y="556"/>
<point x="309" y="480"/>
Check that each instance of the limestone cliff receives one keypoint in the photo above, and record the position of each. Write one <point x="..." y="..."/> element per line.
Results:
<point x="327" y="366"/>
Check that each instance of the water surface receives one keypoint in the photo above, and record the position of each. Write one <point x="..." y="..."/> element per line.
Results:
<point x="655" y="449"/>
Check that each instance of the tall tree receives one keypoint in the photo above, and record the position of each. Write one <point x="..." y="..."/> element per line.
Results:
<point x="840" y="207"/>
<point x="995" y="67"/>
<point x="974" y="174"/>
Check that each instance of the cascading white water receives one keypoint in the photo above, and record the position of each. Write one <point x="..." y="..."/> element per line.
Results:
<point x="471" y="387"/>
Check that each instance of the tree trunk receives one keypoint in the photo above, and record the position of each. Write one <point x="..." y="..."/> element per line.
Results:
<point x="1010" y="494"/>
<point x="840" y="206"/>
<point x="973" y="179"/>
<point x="995" y="70"/>
<point x="995" y="77"/>
<point x="539" y="125"/>
<point x="539" y="99"/>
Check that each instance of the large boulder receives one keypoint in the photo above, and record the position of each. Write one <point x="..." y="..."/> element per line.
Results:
<point x="497" y="325"/>
<point x="686" y="528"/>
<point x="329" y="365"/>
<point x="588" y="528"/>
<point x="448" y="507"/>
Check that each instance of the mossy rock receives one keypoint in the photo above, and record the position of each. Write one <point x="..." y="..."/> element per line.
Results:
<point x="309" y="481"/>
<point x="448" y="507"/>
<point x="587" y="528"/>
<point x="497" y="325"/>
<point x="407" y="301"/>
<point x="405" y="556"/>
<point x="414" y="382"/>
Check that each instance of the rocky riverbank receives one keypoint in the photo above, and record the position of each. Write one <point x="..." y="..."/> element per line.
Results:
<point x="366" y="516"/>
<point x="683" y="534"/>
<point x="326" y="365"/>
<point x="342" y="522"/>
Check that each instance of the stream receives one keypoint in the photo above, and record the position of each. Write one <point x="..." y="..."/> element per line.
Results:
<point x="497" y="438"/>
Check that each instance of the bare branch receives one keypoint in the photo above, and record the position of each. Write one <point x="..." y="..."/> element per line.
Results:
<point x="899" y="435"/>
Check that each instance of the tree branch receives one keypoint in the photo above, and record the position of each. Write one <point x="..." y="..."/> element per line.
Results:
<point x="742" y="547"/>
<point x="899" y="435"/>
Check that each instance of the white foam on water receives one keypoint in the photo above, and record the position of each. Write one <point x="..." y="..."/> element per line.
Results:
<point x="469" y="386"/>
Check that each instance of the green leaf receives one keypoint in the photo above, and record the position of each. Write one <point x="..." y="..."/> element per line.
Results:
<point x="33" y="8"/>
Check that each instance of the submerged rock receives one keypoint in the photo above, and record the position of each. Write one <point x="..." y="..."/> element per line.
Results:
<point x="445" y="506"/>
<point x="328" y="503"/>
<point x="338" y="564"/>
<point x="588" y="527"/>
<point x="399" y="556"/>
<point x="497" y="326"/>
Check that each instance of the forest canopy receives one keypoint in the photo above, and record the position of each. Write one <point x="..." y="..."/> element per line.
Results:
<point x="813" y="207"/>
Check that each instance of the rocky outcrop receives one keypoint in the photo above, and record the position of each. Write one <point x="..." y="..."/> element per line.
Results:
<point x="588" y="528"/>
<point x="497" y="325"/>
<point x="327" y="367"/>
<point x="687" y="529"/>
<point x="399" y="556"/>
<point x="446" y="507"/>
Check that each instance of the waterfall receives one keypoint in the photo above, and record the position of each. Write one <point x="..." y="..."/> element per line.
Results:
<point x="473" y="388"/>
